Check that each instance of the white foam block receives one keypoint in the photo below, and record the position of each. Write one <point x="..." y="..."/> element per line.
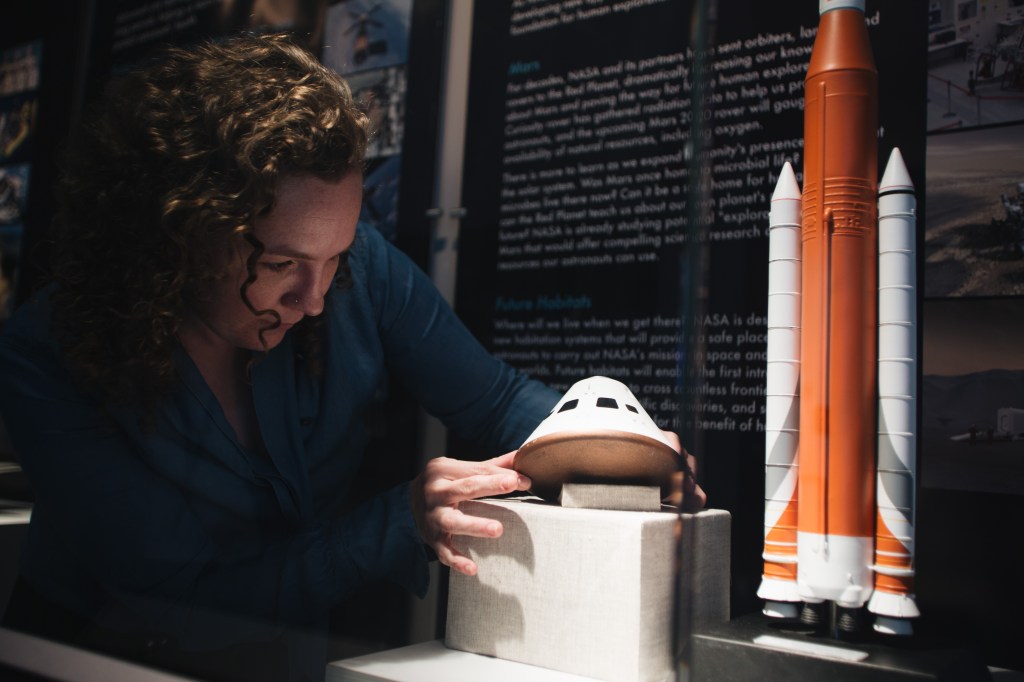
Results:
<point x="587" y="591"/>
<point x="609" y="496"/>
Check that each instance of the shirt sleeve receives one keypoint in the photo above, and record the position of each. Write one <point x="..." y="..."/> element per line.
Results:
<point x="443" y="365"/>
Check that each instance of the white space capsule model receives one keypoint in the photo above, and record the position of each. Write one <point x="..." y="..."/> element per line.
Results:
<point x="597" y="433"/>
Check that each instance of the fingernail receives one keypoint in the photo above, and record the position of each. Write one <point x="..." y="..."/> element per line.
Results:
<point x="524" y="482"/>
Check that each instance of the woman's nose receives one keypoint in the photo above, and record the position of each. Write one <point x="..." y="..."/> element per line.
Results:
<point x="307" y="298"/>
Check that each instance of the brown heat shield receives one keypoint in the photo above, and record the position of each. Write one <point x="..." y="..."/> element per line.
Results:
<point x="602" y="456"/>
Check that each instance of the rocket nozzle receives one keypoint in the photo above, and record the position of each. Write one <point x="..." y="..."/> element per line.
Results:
<point x="813" y="613"/>
<point x="893" y="626"/>
<point x="786" y="610"/>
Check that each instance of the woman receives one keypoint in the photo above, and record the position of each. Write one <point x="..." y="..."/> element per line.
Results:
<point x="186" y="398"/>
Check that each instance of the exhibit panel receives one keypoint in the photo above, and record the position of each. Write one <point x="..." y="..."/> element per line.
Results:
<point x="574" y="247"/>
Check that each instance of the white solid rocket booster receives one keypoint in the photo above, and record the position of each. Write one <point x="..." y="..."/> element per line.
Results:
<point x="892" y="600"/>
<point x="782" y="401"/>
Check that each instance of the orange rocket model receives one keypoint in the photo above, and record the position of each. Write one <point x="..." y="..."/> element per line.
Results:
<point x="821" y="457"/>
<point x="838" y="315"/>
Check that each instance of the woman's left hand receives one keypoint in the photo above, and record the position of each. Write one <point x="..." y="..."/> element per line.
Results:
<point x="686" y="494"/>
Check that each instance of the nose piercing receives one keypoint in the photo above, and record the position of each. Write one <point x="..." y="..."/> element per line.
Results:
<point x="296" y="300"/>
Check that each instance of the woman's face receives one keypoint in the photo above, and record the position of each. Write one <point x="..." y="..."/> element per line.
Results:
<point x="311" y="226"/>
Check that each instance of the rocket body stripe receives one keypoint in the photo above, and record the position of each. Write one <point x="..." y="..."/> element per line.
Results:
<point x="782" y="394"/>
<point x="897" y="390"/>
<point x="839" y="314"/>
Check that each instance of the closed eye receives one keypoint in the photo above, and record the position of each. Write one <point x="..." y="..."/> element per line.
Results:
<point x="278" y="266"/>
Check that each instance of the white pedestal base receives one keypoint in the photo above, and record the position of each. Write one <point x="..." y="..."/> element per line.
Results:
<point x="587" y="591"/>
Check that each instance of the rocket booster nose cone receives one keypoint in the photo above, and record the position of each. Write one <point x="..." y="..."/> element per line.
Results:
<point x="829" y="5"/>
<point x="786" y="187"/>
<point x="896" y="177"/>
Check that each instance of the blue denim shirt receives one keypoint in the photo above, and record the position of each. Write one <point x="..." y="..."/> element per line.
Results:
<point x="179" y="530"/>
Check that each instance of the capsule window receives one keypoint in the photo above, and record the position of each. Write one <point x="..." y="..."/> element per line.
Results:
<point x="569" y="405"/>
<point x="632" y="409"/>
<point x="607" y="402"/>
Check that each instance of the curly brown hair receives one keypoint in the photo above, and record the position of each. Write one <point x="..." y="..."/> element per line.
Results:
<point x="184" y="152"/>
